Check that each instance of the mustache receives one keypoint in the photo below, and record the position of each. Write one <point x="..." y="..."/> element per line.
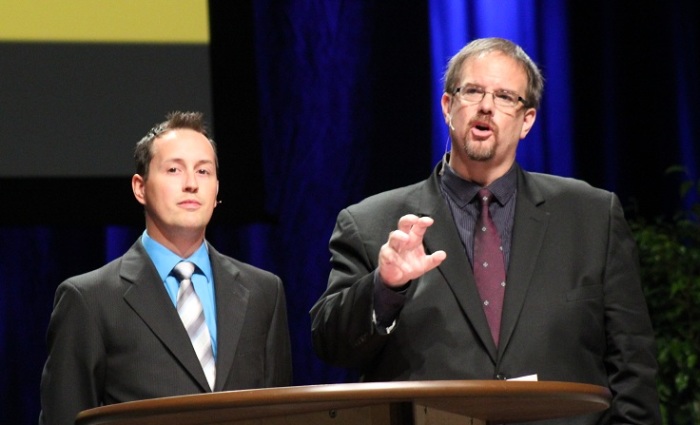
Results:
<point x="483" y="119"/>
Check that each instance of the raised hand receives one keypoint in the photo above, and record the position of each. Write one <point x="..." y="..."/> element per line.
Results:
<point x="403" y="258"/>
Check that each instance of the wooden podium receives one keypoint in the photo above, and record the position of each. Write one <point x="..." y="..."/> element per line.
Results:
<point x="378" y="403"/>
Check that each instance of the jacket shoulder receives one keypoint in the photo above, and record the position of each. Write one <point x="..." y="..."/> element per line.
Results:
<point x="94" y="279"/>
<point x="247" y="271"/>
<point x="554" y="187"/>
<point x="391" y="200"/>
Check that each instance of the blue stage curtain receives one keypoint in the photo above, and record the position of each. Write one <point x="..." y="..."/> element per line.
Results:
<point x="686" y="51"/>
<point x="333" y="111"/>
<point x="314" y="83"/>
<point x="33" y="261"/>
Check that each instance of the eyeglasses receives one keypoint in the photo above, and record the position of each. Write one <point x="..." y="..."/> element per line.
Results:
<point x="475" y="94"/>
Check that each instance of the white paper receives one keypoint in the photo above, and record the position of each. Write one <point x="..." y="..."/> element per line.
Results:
<point x="524" y="378"/>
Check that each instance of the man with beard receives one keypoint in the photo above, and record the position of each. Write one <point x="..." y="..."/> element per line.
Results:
<point x="492" y="272"/>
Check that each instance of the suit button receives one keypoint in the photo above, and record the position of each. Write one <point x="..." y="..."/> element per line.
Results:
<point x="501" y="376"/>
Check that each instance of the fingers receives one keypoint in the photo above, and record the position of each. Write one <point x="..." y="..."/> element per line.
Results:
<point x="397" y="240"/>
<point x="391" y="268"/>
<point x="420" y="226"/>
<point x="433" y="260"/>
<point x="402" y="257"/>
<point x="396" y="269"/>
<point x="409" y="221"/>
<point x="406" y="222"/>
<point x="409" y="233"/>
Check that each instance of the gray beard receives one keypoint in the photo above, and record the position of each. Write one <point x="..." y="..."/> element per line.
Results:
<point x="475" y="153"/>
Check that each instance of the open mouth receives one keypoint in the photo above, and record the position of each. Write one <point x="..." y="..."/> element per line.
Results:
<point x="481" y="129"/>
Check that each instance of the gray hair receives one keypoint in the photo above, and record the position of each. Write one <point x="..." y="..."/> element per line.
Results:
<point x="482" y="46"/>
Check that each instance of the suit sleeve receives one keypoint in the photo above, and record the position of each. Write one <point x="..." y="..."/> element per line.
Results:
<point x="278" y="371"/>
<point x="631" y="354"/>
<point x="342" y="327"/>
<point x="73" y="375"/>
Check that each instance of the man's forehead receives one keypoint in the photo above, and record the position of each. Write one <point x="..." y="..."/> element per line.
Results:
<point x="493" y="64"/>
<point x="172" y="141"/>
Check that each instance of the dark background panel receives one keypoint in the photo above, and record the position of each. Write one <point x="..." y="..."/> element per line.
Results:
<point x="76" y="110"/>
<point x="72" y="113"/>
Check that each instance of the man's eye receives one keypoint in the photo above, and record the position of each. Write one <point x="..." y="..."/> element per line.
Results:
<point x="172" y="170"/>
<point x="203" y="171"/>
<point x="508" y="97"/>
<point x="473" y="90"/>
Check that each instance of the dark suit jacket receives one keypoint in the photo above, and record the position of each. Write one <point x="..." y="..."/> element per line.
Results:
<point x="115" y="336"/>
<point x="573" y="309"/>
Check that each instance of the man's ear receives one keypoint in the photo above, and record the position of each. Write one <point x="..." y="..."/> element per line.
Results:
<point x="528" y="121"/>
<point x="138" y="186"/>
<point x="446" y="104"/>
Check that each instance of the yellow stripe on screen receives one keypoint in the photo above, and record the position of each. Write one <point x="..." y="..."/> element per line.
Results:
<point x="105" y="21"/>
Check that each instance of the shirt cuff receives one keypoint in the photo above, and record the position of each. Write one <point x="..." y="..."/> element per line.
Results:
<point x="383" y="330"/>
<point x="387" y="304"/>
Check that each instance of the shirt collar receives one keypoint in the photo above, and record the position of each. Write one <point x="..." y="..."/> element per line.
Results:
<point x="463" y="191"/>
<point x="164" y="259"/>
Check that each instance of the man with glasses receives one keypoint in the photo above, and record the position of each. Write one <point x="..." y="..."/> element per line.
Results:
<point x="489" y="271"/>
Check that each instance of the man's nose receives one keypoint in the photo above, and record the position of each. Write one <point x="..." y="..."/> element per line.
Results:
<point x="487" y="102"/>
<point x="191" y="184"/>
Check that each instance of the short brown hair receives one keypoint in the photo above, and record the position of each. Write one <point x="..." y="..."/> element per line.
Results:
<point x="143" y="153"/>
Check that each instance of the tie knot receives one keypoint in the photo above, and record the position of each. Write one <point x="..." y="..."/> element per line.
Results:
<point x="183" y="270"/>
<point x="485" y="196"/>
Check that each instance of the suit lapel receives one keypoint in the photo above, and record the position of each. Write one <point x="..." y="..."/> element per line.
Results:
<point x="231" y="306"/>
<point x="529" y="229"/>
<point x="455" y="269"/>
<point x="148" y="298"/>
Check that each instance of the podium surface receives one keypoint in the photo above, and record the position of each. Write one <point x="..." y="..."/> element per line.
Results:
<point x="381" y="403"/>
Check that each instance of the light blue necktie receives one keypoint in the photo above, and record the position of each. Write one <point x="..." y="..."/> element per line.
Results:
<point x="189" y="307"/>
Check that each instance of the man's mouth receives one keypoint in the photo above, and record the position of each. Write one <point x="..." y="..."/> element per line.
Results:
<point x="481" y="129"/>
<point x="189" y="204"/>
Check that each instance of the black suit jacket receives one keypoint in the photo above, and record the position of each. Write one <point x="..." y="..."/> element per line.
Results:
<point x="115" y="336"/>
<point x="573" y="308"/>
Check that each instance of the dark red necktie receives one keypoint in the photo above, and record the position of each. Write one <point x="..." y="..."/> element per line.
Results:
<point x="489" y="268"/>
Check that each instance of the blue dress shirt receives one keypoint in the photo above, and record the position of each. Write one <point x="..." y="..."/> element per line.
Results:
<point x="202" y="279"/>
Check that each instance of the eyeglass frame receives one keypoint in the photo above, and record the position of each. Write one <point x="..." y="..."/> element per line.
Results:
<point x="458" y="92"/>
